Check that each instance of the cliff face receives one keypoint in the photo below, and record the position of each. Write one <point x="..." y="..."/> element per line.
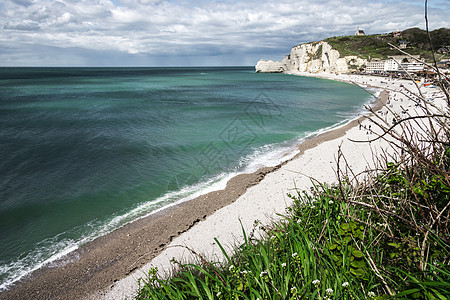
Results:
<point x="314" y="57"/>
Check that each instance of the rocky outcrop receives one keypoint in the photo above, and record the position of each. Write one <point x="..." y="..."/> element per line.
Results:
<point x="271" y="66"/>
<point x="314" y="57"/>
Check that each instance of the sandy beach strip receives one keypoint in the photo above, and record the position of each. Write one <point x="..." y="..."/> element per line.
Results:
<point x="108" y="268"/>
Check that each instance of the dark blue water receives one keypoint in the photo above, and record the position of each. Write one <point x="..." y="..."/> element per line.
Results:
<point x="85" y="150"/>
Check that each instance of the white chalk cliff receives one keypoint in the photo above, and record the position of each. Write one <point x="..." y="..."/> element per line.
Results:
<point x="314" y="57"/>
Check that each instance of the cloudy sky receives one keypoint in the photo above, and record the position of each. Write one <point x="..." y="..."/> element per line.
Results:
<point x="185" y="32"/>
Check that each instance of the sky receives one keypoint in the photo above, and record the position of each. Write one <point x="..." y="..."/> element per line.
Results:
<point x="151" y="33"/>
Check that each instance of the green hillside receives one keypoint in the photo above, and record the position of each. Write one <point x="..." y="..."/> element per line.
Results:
<point x="377" y="45"/>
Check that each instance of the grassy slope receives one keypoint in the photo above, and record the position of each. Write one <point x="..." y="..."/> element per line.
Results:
<point x="376" y="46"/>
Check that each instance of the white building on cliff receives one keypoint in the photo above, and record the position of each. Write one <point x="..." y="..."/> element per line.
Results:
<point x="359" y="32"/>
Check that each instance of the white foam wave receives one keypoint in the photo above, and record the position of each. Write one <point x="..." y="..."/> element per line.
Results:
<point x="51" y="251"/>
<point x="22" y="267"/>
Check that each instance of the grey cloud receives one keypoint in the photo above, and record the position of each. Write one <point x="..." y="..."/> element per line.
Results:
<point x="40" y="15"/>
<point x="22" y="26"/>
<point x="25" y="3"/>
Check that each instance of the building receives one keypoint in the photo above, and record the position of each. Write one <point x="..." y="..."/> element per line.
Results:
<point x="403" y="44"/>
<point x="403" y="65"/>
<point x="359" y="32"/>
<point x="444" y="64"/>
<point x="375" y="66"/>
<point x="390" y="66"/>
<point x="414" y="67"/>
<point x="397" y="64"/>
<point x="443" y="50"/>
<point x="397" y="33"/>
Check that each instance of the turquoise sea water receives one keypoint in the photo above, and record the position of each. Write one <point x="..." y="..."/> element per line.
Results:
<point x="86" y="150"/>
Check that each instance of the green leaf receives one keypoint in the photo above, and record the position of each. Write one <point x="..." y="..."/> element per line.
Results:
<point x="357" y="272"/>
<point x="345" y="226"/>
<point x="335" y="258"/>
<point x="357" y="253"/>
<point x="358" y="264"/>
<point x="333" y="246"/>
<point x="223" y="250"/>
<point x="439" y="295"/>
<point x="394" y="245"/>
<point x="240" y="286"/>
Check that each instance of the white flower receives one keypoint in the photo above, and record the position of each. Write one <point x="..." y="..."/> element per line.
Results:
<point x="345" y="284"/>
<point x="329" y="291"/>
<point x="218" y="294"/>
<point x="330" y="202"/>
<point x="371" y="294"/>
<point x="231" y="268"/>
<point x="294" y="254"/>
<point x="316" y="282"/>
<point x="283" y="265"/>
<point x="244" y="272"/>
<point x="263" y="273"/>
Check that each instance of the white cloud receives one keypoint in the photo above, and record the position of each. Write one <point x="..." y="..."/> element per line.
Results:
<point x="154" y="28"/>
<point x="65" y="18"/>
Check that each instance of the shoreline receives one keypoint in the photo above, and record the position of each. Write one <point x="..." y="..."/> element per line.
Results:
<point x="103" y="263"/>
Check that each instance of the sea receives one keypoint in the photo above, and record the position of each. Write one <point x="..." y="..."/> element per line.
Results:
<point x="84" y="151"/>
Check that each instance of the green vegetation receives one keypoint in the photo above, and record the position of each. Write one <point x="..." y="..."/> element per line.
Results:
<point x="384" y="236"/>
<point x="418" y="38"/>
<point x="318" y="53"/>
<point x="377" y="46"/>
